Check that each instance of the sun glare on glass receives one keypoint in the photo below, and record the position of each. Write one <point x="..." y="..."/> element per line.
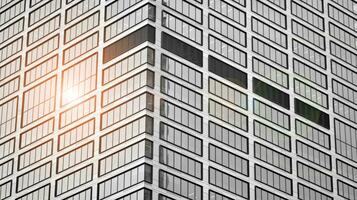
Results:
<point x="69" y="95"/>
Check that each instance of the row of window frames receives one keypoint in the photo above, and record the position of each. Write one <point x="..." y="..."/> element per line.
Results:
<point x="181" y="115"/>
<point x="197" y="36"/>
<point x="180" y="161"/>
<point x="296" y="52"/>
<point x="181" y="93"/>
<point x="181" y="139"/>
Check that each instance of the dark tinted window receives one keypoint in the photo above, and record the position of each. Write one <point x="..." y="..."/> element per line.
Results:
<point x="312" y="114"/>
<point x="181" y="49"/>
<point x="271" y="93"/>
<point x="226" y="71"/>
<point x="146" y="33"/>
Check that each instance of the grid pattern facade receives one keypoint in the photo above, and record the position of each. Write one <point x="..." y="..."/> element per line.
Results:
<point x="178" y="99"/>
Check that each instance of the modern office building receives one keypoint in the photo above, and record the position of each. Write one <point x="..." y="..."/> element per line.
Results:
<point x="178" y="99"/>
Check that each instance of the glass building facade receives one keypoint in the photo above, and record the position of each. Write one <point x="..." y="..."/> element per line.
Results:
<point x="178" y="99"/>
